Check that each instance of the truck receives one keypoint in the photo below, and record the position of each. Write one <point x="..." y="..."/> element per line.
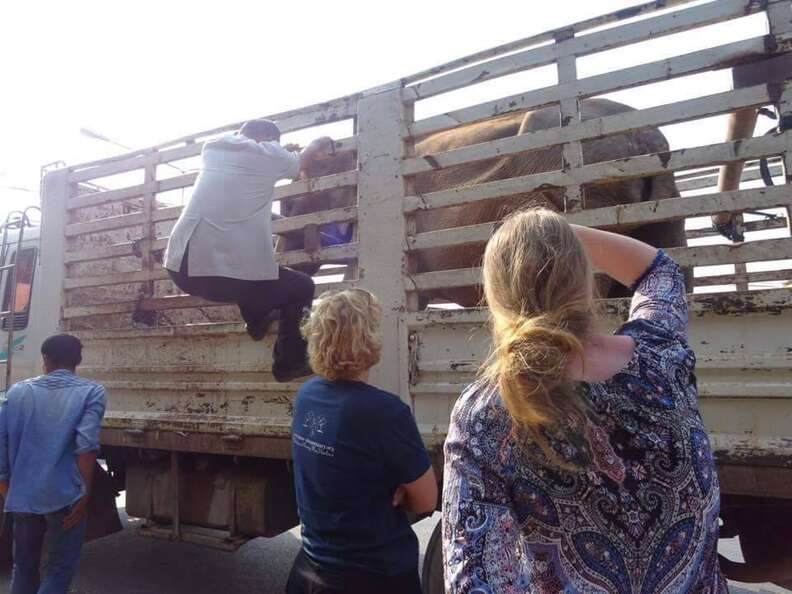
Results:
<point x="197" y="432"/>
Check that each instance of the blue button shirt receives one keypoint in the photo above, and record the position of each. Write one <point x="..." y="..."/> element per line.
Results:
<point x="352" y="445"/>
<point x="45" y="423"/>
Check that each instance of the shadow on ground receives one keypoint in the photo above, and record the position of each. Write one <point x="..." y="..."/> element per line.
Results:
<point x="126" y="563"/>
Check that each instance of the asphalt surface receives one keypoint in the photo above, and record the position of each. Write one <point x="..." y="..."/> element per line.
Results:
<point x="126" y="563"/>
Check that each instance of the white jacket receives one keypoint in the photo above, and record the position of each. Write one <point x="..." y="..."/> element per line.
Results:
<point x="228" y="220"/>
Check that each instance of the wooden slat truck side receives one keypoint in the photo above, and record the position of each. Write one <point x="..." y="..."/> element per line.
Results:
<point x="197" y="430"/>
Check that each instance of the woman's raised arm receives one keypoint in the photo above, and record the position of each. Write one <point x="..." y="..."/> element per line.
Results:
<point x="620" y="257"/>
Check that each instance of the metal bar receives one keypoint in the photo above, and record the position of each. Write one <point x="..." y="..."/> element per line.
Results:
<point x="149" y="230"/>
<point x="304" y="117"/>
<point x="121" y="194"/>
<point x="767" y="300"/>
<point x="755" y="251"/>
<point x="219" y="385"/>
<point x="568" y="46"/>
<point x="163" y="157"/>
<point x="631" y="214"/>
<point x="669" y="209"/>
<point x="102" y="252"/>
<point x="168" y="303"/>
<point x="716" y="58"/>
<point x="751" y="277"/>
<point x="290" y="258"/>
<point x="711" y="179"/>
<point x="176" y="495"/>
<point x="329" y="254"/>
<point x="122" y="221"/>
<point x="118" y="278"/>
<point x="318" y="184"/>
<point x="571" y="152"/>
<point x="579" y="27"/>
<point x="284" y="225"/>
<point x="336" y="215"/>
<point x="630" y="121"/>
<point x="749" y="227"/>
<point x="348" y="178"/>
<point x="605" y="172"/>
<point x="383" y="122"/>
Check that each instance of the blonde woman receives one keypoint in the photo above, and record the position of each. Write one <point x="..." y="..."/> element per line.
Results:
<point x="359" y="461"/>
<point x="579" y="462"/>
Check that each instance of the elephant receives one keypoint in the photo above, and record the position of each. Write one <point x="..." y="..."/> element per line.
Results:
<point x="618" y="146"/>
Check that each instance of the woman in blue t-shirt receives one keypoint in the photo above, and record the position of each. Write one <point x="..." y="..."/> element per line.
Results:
<point x="359" y="461"/>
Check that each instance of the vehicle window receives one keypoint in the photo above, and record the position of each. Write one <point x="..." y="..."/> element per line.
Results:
<point x="24" y="286"/>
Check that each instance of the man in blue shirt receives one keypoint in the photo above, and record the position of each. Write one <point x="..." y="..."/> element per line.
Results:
<point x="49" y="437"/>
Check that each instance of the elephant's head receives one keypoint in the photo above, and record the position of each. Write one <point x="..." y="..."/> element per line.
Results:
<point x="338" y="162"/>
<point x="331" y="233"/>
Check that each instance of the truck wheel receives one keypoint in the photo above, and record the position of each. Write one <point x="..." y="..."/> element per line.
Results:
<point x="765" y="531"/>
<point x="432" y="575"/>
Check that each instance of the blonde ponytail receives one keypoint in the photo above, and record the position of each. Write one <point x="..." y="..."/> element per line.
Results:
<point x="538" y="285"/>
<point x="529" y="364"/>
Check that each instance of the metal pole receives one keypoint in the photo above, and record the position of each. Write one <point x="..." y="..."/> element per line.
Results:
<point x="23" y="221"/>
<point x="176" y="509"/>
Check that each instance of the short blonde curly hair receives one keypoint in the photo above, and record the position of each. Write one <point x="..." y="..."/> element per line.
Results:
<point x="343" y="334"/>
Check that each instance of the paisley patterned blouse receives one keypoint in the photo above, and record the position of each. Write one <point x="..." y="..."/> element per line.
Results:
<point x="641" y="513"/>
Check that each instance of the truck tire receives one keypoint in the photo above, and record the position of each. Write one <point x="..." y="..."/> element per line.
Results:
<point x="764" y="527"/>
<point x="432" y="574"/>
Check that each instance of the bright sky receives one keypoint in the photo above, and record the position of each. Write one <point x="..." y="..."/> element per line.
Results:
<point x="143" y="72"/>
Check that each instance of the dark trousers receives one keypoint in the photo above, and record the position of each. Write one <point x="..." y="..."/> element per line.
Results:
<point x="307" y="577"/>
<point x="62" y="556"/>
<point x="291" y="293"/>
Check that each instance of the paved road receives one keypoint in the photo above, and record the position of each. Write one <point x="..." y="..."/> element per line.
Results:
<point x="125" y="563"/>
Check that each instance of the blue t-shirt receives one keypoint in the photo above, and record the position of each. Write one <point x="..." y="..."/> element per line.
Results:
<point x="352" y="445"/>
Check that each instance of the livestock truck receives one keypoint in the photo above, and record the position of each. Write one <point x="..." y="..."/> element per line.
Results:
<point x="197" y="432"/>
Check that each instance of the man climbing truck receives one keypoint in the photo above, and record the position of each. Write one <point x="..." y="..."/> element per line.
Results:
<point x="197" y="428"/>
<point x="221" y="248"/>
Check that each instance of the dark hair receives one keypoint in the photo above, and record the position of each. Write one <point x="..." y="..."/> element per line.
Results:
<point x="260" y="130"/>
<point x="63" y="350"/>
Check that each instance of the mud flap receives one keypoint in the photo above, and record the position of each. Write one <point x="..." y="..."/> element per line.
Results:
<point x="103" y="518"/>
